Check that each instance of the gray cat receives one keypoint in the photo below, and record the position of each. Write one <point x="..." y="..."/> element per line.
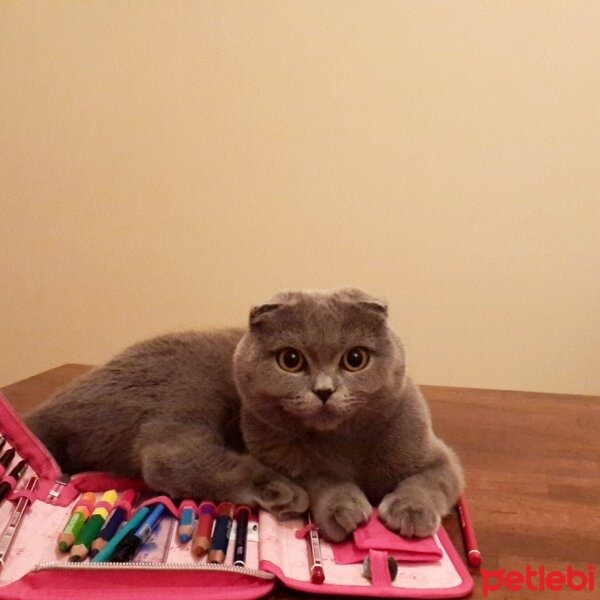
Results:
<point x="310" y="404"/>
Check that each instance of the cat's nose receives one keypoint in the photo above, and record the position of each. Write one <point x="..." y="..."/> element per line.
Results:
<point x="324" y="394"/>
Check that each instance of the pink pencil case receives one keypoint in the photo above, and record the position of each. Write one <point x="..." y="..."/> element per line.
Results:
<point x="277" y="551"/>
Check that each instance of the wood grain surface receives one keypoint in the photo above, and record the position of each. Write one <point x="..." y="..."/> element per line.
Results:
<point x="532" y="463"/>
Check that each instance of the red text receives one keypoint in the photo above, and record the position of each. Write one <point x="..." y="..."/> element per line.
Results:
<point x="538" y="580"/>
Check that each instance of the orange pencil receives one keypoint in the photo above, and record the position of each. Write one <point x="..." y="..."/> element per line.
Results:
<point x="201" y="542"/>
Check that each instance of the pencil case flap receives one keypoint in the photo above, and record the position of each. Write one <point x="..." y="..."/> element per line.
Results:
<point x="97" y="481"/>
<point x="374" y="535"/>
<point x="282" y="553"/>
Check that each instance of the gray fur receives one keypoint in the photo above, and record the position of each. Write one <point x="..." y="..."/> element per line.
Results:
<point x="213" y="415"/>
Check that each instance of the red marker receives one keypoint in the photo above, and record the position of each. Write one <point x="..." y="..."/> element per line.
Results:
<point x="468" y="533"/>
<point x="314" y="555"/>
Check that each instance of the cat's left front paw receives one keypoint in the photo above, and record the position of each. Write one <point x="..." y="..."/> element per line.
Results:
<point x="339" y="509"/>
<point x="282" y="497"/>
<point x="410" y="512"/>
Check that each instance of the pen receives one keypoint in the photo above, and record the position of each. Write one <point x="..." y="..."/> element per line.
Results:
<point x="16" y="474"/>
<point x="241" y="535"/>
<point x="138" y="518"/>
<point x="315" y="560"/>
<point x="13" y="525"/>
<point x="6" y="459"/>
<point x="127" y="549"/>
<point x="468" y="533"/>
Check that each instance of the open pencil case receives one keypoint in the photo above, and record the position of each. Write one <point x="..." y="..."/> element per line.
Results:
<point x="276" y="551"/>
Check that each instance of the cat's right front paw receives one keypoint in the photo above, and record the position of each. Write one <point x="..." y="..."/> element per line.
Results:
<point x="339" y="510"/>
<point x="282" y="498"/>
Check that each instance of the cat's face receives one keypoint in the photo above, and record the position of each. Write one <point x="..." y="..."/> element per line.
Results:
<point x="318" y="359"/>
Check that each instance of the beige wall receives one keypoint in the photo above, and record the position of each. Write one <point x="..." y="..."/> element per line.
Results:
<point x="165" y="165"/>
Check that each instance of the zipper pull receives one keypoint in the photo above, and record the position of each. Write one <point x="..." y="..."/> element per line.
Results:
<point x="58" y="487"/>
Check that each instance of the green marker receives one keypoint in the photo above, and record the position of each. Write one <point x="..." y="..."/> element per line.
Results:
<point x="76" y="520"/>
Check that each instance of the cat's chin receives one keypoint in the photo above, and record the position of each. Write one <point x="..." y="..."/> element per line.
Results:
<point x="322" y="420"/>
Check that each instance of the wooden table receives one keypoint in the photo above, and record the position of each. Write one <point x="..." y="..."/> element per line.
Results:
<point x="532" y="463"/>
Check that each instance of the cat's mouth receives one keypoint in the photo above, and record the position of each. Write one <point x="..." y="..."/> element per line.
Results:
<point x="323" y="419"/>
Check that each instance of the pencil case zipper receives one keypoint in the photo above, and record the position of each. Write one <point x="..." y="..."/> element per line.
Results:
<point x="150" y="566"/>
<point x="57" y="478"/>
<point x="43" y="450"/>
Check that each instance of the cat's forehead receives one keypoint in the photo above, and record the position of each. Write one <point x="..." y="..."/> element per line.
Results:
<point x="339" y="296"/>
<point x="315" y="319"/>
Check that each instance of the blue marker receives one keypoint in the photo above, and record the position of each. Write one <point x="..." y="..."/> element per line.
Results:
<point x="130" y="545"/>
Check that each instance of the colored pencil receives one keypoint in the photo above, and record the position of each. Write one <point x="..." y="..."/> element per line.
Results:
<point x="89" y="533"/>
<point x="138" y="518"/>
<point x="76" y="521"/>
<point x="113" y="522"/>
<point x="127" y="549"/>
<point x="220" y="541"/>
<point x="187" y="520"/>
<point x="201" y="542"/>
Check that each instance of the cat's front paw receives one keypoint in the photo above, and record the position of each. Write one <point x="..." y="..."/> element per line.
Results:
<point x="410" y="512"/>
<point x="339" y="510"/>
<point x="281" y="497"/>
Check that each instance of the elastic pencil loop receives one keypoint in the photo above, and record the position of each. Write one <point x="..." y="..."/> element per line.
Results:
<point x="85" y="503"/>
<point x="301" y="533"/>
<point x="125" y="505"/>
<point x="206" y="506"/>
<point x="187" y="504"/>
<point x="380" y="571"/>
<point x="168" y="503"/>
<point x="240" y="509"/>
<point x="103" y="504"/>
<point x="18" y="494"/>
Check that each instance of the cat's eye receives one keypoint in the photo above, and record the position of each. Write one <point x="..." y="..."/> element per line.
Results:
<point x="291" y="360"/>
<point x="355" y="359"/>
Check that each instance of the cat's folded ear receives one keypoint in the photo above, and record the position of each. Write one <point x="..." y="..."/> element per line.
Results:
<point x="362" y="299"/>
<point x="257" y="314"/>
<point x="378" y="306"/>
